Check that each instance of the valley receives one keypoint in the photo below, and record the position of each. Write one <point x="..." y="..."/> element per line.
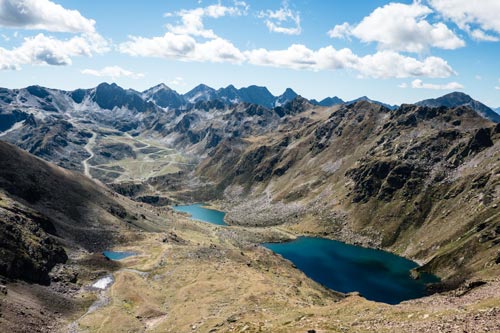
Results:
<point x="418" y="180"/>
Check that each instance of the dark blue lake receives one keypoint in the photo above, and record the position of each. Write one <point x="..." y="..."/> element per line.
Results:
<point x="378" y="275"/>
<point x="199" y="213"/>
<point x="113" y="255"/>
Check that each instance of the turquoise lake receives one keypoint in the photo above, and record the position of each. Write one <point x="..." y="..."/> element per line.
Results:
<point x="199" y="213"/>
<point x="113" y="255"/>
<point x="378" y="275"/>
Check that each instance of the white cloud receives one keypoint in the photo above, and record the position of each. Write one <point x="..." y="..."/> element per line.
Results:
<point x="113" y="72"/>
<point x="276" y="20"/>
<point x="401" y="27"/>
<point x="181" y="43"/>
<point x="419" y="84"/>
<point x="478" y="34"/>
<point x="191" y="41"/>
<point x="183" y="47"/>
<point x="386" y="64"/>
<point x="192" y="20"/>
<point x="46" y="50"/>
<point x="476" y="17"/>
<point x="343" y="30"/>
<point x="43" y="15"/>
<point x="497" y="88"/>
<point x="383" y="64"/>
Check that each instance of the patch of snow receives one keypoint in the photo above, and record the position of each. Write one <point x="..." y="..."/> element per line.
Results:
<point x="103" y="283"/>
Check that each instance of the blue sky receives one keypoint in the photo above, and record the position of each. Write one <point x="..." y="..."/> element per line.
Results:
<point x="396" y="52"/>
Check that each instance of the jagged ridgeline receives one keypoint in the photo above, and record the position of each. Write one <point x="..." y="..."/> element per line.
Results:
<point x="361" y="171"/>
<point x="421" y="180"/>
<point x="99" y="168"/>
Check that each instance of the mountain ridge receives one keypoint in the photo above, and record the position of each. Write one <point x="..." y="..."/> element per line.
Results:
<point x="112" y="95"/>
<point x="418" y="181"/>
<point x="456" y="98"/>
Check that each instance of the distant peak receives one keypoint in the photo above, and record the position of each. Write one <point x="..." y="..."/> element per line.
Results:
<point x="203" y="86"/>
<point x="106" y="84"/>
<point x="457" y="95"/>
<point x="157" y="88"/>
<point x="162" y="86"/>
<point x="289" y="91"/>
<point x="255" y="87"/>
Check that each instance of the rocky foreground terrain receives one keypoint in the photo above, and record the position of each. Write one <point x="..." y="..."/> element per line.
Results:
<point x="422" y="181"/>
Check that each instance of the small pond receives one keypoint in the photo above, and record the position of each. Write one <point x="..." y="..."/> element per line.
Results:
<point x="200" y="213"/>
<point x="113" y="255"/>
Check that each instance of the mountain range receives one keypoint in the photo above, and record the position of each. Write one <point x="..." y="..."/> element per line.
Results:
<point x="98" y="168"/>
<point x="109" y="96"/>
<point x="166" y="97"/>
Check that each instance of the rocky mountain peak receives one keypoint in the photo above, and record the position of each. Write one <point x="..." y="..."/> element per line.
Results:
<point x="456" y="99"/>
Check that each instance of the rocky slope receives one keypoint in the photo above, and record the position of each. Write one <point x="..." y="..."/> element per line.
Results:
<point x="45" y="208"/>
<point x="57" y="125"/>
<point x="338" y="170"/>
<point x="419" y="181"/>
<point x="53" y="224"/>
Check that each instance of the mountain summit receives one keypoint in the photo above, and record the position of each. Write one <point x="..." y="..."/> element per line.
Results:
<point x="456" y="99"/>
<point x="287" y="96"/>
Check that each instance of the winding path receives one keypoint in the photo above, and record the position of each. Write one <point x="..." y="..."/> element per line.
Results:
<point x="88" y="147"/>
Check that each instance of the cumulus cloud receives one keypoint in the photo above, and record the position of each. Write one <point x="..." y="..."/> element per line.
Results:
<point x="192" y="20"/>
<point x="383" y="64"/>
<point x="43" y="15"/>
<point x="113" y="72"/>
<point x="46" y="50"/>
<point x="479" y="19"/>
<point x="389" y="64"/>
<point x="182" y="41"/>
<point x="191" y="41"/>
<point x="343" y="30"/>
<point x="419" y="84"/>
<point x="401" y="27"/>
<point x="183" y="47"/>
<point x="283" y="20"/>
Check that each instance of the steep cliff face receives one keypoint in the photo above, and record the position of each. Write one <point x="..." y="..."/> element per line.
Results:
<point x="420" y="181"/>
<point x="46" y="211"/>
<point x="28" y="251"/>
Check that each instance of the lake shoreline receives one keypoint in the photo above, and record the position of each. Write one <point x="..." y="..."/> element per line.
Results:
<point x="406" y="267"/>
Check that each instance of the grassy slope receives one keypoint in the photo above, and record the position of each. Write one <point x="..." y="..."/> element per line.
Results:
<point x="83" y="213"/>
<point x="202" y="278"/>
<point x="323" y="173"/>
<point x="213" y="282"/>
